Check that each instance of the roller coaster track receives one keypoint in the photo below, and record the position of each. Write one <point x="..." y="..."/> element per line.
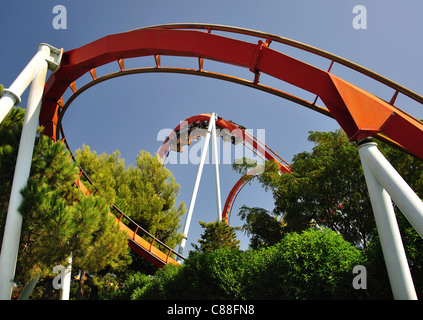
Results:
<point x="359" y="113"/>
<point x="175" y="142"/>
<point x="152" y="250"/>
<point x="193" y="127"/>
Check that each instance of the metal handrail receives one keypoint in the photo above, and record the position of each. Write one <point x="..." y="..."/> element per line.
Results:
<point x="145" y="232"/>
<point x="138" y="227"/>
<point x="295" y="44"/>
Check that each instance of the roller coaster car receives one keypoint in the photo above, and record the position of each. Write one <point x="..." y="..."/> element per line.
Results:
<point x="235" y="140"/>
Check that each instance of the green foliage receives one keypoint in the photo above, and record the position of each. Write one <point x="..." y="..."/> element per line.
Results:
<point x="59" y="221"/>
<point x="97" y="242"/>
<point x="132" y="288"/>
<point x="10" y="133"/>
<point x="146" y="192"/>
<point x="316" y="264"/>
<point x="262" y="226"/>
<point x="105" y="170"/>
<point x="217" y="235"/>
<point x="326" y="187"/>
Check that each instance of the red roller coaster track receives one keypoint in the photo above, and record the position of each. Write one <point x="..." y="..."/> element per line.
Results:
<point x="235" y="133"/>
<point x="359" y="113"/>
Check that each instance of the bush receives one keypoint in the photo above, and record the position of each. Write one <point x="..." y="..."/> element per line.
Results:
<point x="316" y="264"/>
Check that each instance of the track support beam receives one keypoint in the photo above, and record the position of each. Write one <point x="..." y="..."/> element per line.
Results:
<point x="210" y="131"/>
<point x="384" y="182"/>
<point x="35" y="72"/>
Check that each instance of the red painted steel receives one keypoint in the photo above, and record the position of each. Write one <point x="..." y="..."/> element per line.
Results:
<point x="359" y="113"/>
<point x="238" y="132"/>
<point x="345" y="101"/>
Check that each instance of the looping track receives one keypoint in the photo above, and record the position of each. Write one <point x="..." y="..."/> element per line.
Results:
<point x="191" y="129"/>
<point x="359" y="113"/>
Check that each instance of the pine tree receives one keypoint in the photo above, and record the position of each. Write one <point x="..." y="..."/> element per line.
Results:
<point x="146" y="192"/>
<point x="59" y="221"/>
<point x="217" y="235"/>
<point x="55" y="211"/>
<point x="97" y="241"/>
<point x="10" y="133"/>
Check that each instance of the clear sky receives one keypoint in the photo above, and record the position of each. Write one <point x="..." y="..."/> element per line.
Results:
<point x="127" y="114"/>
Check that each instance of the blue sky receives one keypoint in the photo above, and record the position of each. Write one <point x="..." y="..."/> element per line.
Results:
<point x="126" y="114"/>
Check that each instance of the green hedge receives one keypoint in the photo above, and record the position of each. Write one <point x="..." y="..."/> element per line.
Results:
<point x="315" y="264"/>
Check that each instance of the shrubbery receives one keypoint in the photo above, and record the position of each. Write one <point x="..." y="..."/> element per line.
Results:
<point x="316" y="264"/>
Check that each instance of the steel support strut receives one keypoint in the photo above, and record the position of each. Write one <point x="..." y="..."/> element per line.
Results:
<point x="37" y="68"/>
<point x="213" y="119"/>
<point x="211" y="130"/>
<point x="12" y="95"/>
<point x="379" y="175"/>
<point x="65" y="290"/>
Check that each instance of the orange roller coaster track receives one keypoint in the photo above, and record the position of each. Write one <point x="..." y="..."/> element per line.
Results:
<point x="359" y="113"/>
<point x="141" y="241"/>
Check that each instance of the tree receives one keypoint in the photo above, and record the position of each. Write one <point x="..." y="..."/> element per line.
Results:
<point x="146" y="192"/>
<point x="58" y="221"/>
<point x="264" y="228"/>
<point x="10" y="131"/>
<point x="97" y="242"/>
<point x="46" y="209"/>
<point x="326" y="187"/>
<point x="217" y="234"/>
<point x="314" y="264"/>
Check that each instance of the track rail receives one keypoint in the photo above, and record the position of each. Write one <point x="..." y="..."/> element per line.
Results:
<point x="139" y="240"/>
<point x="359" y="113"/>
<point x="349" y="105"/>
<point x="185" y="133"/>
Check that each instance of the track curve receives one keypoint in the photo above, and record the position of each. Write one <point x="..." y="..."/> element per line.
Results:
<point x="359" y="113"/>
<point x="193" y="127"/>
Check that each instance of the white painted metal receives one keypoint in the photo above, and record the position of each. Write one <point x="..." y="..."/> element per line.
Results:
<point x="195" y="190"/>
<point x="216" y="166"/>
<point x="11" y="237"/>
<point x="211" y="130"/>
<point x="29" y="287"/>
<point x="404" y="197"/>
<point x="11" y="96"/>
<point x="65" y="291"/>
<point x="390" y="237"/>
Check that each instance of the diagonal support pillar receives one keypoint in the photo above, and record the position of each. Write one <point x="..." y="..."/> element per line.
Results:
<point x="387" y="226"/>
<point x="211" y="131"/>
<point x="213" y="118"/>
<point x="38" y="69"/>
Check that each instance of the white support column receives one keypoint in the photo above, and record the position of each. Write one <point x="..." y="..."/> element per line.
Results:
<point x="12" y="232"/>
<point x="12" y="95"/>
<point x="195" y="191"/>
<point x="390" y="237"/>
<point x="404" y="197"/>
<point x="65" y="290"/>
<point x="216" y="166"/>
